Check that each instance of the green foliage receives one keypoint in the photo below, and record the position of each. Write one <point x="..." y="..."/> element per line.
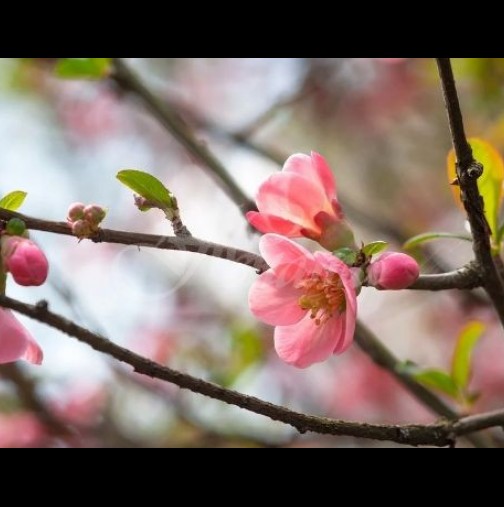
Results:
<point x="83" y="68"/>
<point x="416" y="241"/>
<point x="347" y="255"/>
<point x="439" y="380"/>
<point x="148" y="187"/>
<point x="13" y="201"/>
<point x="246" y="350"/>
<point x="461" y="363"/>
<point x="454" y="384"/>
<point x="375" y="248"/>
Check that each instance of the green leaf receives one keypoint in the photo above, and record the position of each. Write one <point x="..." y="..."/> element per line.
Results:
<point x="462" y="357"/>
<point x="148" y="187"/>
<point x="375" y="248"/>
<point x="439" y="380"/>
<point x="82" y="68"/>
<point x="431" y="236"/>
<point x="489" y="184"/>
<point x="13" y="201"/>
<point x="347" y="255"/>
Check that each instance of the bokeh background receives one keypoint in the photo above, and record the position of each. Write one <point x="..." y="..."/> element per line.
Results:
<point x="381" y="125"/>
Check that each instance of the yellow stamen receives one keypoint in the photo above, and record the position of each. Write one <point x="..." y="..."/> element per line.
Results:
<point x="323" y="295"/>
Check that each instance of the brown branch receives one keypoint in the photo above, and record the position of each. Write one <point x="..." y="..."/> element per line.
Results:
<point x="27" y="391"/>
<point x="465" y="278"/>
<point x="440" y="434"/>
<point x="171" y="121"/>
<point x="468" y="172"/>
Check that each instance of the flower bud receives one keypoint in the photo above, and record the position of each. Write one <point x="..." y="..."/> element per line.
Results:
<point x="393" y="271"/>
<point x="75" y="212"/>
<point x="24" y="260"/>
<point x="94" y="214"/>
<point x="82" y="229"/>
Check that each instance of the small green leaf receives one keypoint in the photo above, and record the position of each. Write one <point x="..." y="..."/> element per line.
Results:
<point x="375" y="248"/>
<point x="148" y="187"/>
<point x="461" y="362"/>
<point x="347" y="255"/>
<point x="13" y="201"/>
<point x="431" y="236"/>
<point x="439" y="380"/>
<point x="82" y="68"/>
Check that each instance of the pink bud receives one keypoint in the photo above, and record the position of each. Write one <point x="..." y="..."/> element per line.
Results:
<point x="76" y="212"/>
<point x="393" y="271"/>
<point x="82" y="229"/>
<point x="24" y="260"/>
<point x="94" y="214"/>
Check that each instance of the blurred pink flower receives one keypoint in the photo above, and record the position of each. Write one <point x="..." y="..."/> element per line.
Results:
<point x="16" y="342"/>
<point x="301" y="201"/>
<point x="311" y="299"/>
<point x="24" y="260"/>
<point x="20" y="430"/>
<point x="393" y="271"/>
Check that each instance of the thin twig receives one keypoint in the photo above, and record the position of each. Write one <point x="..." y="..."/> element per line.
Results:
<point x="29" y="396"/>
<point x="468" y="172"/>
<point x="440" y="434"/>
<point x="464" y="278"/>
<point x="169" y="118"/>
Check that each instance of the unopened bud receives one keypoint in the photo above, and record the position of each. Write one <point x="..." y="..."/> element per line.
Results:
<point x="393" y="271"/>
<point x="76" y="212"/>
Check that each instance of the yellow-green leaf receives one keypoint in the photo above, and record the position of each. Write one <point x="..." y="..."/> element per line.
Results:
<point x="147" y="186"/>
<point x="83" y="68"/>
<point x="13" y="201"/>
<point x="489" y="184"/>
<point x="416" y="241"/>
<point x="461" y="362"/>
<point x="439" y="380"/>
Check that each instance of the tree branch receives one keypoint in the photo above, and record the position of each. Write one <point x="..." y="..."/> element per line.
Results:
<point x="27" y="392"/>
<point x="465" y="278"/>
<point x="440" y="434"/>
<point x="468" y="172"/>
<point x="171" y="121"/>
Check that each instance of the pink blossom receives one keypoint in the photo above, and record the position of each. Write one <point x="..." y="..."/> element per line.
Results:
<point x="24" y="260"/>
<point x="301" y="201"/>
<point x="21" y="430"/>
<point x="393" y="271"/>
<point x="16" y="342"/>
<point x="311" y="299"/>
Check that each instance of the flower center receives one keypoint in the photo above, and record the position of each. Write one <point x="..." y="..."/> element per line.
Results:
<point x="323" y="295"/>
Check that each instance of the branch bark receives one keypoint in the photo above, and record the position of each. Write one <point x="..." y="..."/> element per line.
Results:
<point x="468" y="172"/>
<point x="171" y="121"/>
<point x="440" y="434"/>
<point x="465" y="278"/>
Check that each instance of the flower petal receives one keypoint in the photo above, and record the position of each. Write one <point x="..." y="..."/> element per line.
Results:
<point x="13" y="337"/>
<point x="315" y="169"/>
<point x="294" y="198"/>
<point x="288" y="259"/>
<point x="269" y="223"/>
<point x="33" y="353"/>
<point x="305" y="343"/>
<point x="332" y="263"/>
<point x="275" y="302"/>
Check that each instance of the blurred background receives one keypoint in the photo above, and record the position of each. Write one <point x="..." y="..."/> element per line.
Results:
<point x="381" y="125"/>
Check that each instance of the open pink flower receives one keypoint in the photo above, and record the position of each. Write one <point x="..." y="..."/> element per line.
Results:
<point x="24" y="260"/>
<point x="16" y="342"/>
<point x="311" y="299"/>
<point x="393" y="271"/>
<point x="301" y="201"/>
